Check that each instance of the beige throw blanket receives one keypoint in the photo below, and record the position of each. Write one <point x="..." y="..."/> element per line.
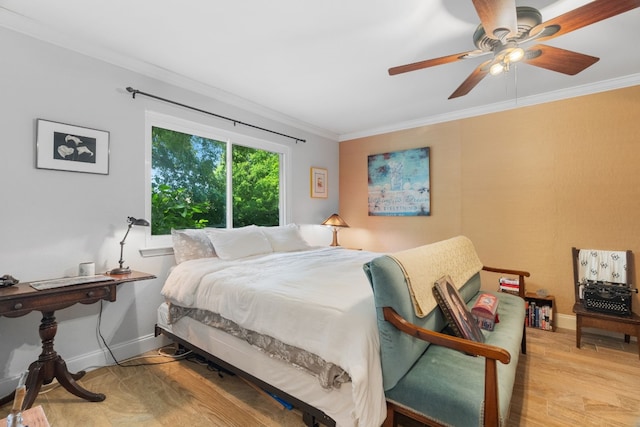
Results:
<point x="424" y="265"/>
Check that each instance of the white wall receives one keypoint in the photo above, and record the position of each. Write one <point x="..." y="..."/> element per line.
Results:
<point x="50" y="221"/>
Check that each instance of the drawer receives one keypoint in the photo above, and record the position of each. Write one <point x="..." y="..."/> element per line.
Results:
<point x="52" y="301"/>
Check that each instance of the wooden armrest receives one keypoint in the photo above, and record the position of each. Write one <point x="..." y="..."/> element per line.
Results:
<point x="506" y="271"/>
<point x="520" y="273"/>
<point x="444" y="340"/>
<point x="491" y="353"/>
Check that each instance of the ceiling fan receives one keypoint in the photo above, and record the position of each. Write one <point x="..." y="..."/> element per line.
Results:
<point x="505" y="29"/>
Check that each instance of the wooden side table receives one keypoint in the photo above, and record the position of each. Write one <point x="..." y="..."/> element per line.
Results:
<point x="18" y="300"/>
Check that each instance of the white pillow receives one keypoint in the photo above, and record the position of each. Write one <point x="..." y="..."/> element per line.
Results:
<point x="286" y="238"/>
<point x="191" y="244"/>
<point x="238" y="242"/>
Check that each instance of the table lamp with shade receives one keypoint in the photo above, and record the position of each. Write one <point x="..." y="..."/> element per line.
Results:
<point x="336" y="223"/>
<point x="132" y="221"/>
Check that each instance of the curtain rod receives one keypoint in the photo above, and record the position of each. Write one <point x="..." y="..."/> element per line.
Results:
<point x="135" y="92"/>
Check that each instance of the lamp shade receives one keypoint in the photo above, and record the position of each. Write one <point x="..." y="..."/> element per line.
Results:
<point x="335" y="221"/>
<point x="139" y="221"/>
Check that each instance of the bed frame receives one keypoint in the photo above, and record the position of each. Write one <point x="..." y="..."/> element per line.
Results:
<point x="311" y="416"/>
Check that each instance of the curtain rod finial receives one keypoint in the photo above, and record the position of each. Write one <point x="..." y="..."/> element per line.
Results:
<point x="132" y="91"/>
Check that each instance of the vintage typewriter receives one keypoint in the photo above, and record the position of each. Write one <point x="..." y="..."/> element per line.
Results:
<point x="606" y="297"/>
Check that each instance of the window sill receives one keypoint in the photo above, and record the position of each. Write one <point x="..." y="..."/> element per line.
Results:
<point x="153" y="252"/>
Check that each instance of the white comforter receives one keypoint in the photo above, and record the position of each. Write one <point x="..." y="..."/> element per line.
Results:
<point x="319" y="300"/>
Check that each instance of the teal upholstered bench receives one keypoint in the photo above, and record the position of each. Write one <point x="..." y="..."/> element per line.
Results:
<point x="430" y="376"/>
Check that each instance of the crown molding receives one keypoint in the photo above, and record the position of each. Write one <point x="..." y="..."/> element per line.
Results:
<point x="602" y="86"/>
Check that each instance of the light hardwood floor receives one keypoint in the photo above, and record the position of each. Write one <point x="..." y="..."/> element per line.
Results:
<point x="557" y="385"/>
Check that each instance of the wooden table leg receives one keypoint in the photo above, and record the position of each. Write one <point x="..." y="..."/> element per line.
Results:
<point x="578" y="329"/>
<point x="50" y="365"/>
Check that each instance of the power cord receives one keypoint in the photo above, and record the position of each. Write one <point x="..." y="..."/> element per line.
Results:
<point x="161" y="353"/>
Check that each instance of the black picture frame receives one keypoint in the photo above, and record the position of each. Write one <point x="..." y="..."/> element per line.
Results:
<point x="61" y="146"/>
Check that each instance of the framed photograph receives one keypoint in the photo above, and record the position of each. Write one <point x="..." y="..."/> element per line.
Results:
<point x="66" y="147"/>
<point x="399" y="183"/>
<point x="458" y="315"/>
<point x="319" y="183"/>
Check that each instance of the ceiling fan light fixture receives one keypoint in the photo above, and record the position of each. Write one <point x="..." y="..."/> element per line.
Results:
<point x="496" y="69"/>
<point x="516" y="55"/>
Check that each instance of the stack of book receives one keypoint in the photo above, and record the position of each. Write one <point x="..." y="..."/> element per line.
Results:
<point x="539" y="316"/>
<point x="509" y="285"/>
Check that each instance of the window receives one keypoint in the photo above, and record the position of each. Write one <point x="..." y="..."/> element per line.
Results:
<point x="206" y="177"/>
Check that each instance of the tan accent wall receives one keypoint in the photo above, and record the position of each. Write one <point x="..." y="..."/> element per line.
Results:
<point x="524" y="185"/>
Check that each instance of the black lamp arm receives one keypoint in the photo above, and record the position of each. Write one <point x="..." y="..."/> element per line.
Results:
<point x="121" y="261"/>
<point x="132" y="221"/>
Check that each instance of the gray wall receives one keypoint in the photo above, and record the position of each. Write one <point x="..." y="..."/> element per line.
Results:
<point x="50" y="221"/>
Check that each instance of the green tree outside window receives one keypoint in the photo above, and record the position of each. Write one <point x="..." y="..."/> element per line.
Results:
<point x="189" y="183"/>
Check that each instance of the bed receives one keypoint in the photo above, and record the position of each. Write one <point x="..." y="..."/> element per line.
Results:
<point x="297" y="320"/>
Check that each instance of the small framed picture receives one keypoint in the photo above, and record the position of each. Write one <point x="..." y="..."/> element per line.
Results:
<point x="319" y="183"/>
<point x="66" y="147"/>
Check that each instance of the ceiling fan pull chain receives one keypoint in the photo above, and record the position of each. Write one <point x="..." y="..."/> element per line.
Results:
<point x="515" y="82"/>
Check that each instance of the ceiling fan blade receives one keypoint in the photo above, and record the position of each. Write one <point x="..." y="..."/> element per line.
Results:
<point x="560" y="60"/>
<point x="431" y="62"/>
<point x="472" y="81"/>
<point x="590" y="13"/>
<point x="498" y="17"/>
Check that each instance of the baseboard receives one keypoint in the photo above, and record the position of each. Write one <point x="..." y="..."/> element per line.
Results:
<point x="566" y="321"/>
<point x="122" y="351"/>
<point x="99" y="358"/>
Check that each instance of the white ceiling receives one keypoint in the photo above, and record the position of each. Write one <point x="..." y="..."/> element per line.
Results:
<point x="323" y="65"/>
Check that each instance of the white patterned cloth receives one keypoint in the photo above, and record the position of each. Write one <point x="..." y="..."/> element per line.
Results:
<point x="604" y="266"/>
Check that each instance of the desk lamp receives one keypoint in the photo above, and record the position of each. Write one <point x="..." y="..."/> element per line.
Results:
<point x="335" y="222"/>
<point x="132" y="221"/>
